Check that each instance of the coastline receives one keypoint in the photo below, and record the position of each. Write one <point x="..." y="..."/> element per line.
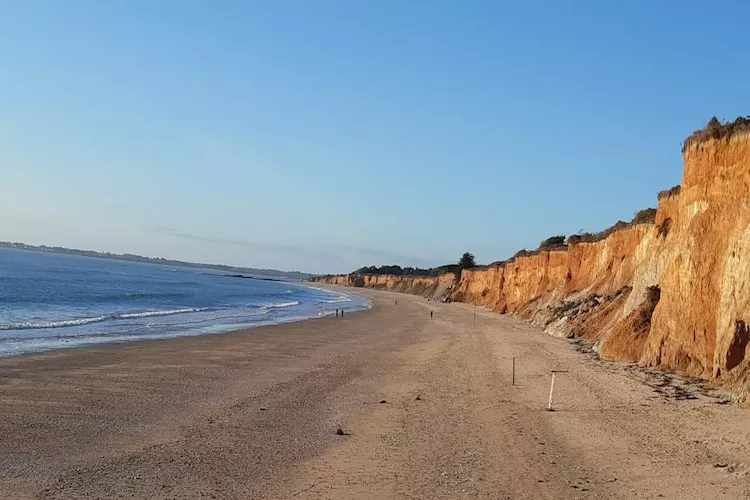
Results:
<point x="192" y="335"/>
<point x="426" y="407"/>
<point x="215" y="326"/>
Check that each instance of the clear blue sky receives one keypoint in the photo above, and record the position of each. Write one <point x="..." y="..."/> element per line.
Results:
<point x="323" y="136"/>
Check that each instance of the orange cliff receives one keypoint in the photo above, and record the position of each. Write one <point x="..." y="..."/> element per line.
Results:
<point x="426" y="286"/>
<point x="671" y="290"/>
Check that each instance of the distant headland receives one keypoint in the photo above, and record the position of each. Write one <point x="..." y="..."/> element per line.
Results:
<point x="273" y="273"/>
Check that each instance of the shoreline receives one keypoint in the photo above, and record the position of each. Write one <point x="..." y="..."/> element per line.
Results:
<point x="114" y="339"/>
<point x="234" y="331"/>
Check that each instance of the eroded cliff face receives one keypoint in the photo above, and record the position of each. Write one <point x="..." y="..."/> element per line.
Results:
<point x="673" y="293"/>
<point x="527" y="285"/>
<point x="699" y="325"/>
<point x="434" y="287"/>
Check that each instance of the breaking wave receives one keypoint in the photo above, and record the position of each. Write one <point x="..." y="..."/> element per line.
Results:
<point x="96" y="319"/>
<point x="281" y="305"/>
<point x="336" y="300"/>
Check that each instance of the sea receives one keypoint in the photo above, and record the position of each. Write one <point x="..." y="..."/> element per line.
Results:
<point x="52" y="301"/>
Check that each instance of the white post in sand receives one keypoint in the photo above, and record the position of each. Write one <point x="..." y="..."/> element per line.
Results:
<point x="551" y="391"/>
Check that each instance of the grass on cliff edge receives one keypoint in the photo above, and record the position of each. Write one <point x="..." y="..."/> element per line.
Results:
<point x="673" y="191"/>
<point x="715" y="129"/>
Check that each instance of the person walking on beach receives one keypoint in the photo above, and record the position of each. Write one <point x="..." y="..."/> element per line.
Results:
<point x="337" y="312"/>
<point x="430" y="314"/>
<point x="342" y="313"/>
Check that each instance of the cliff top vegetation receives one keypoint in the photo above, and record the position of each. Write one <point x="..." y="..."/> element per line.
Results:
<point x="673" y="191"/>
<point x="715" y="129"/>
<point x="396" y="270"/>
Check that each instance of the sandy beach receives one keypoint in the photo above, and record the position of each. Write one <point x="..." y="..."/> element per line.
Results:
<point x="427" y="407"/>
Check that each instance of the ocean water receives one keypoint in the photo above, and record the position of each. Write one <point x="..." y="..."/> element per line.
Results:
<point x="51" y="301"/>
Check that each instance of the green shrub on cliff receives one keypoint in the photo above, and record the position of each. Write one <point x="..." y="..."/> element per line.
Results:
<point x="594" y="237"/>
<point x="673" y="191"/>
<point x="553" y="242"/>
<point x="645" y="216"/>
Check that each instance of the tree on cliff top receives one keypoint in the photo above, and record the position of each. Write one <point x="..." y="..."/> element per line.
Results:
<point x="553" y="242"/>
<point x="466" y="261"/>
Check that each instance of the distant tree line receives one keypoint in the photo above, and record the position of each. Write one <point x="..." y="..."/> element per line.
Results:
<point x="396" y="270"/>
<point x="466" y="261"/>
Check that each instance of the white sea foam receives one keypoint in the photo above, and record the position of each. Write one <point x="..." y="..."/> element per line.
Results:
<point x="97" y="319"/>
<point x="53" y="324"/>
<point x="281" y="305"/>
<point x="337" y="300"/>
<point x="149" y="314"/>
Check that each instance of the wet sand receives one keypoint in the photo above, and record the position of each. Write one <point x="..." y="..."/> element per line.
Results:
<point x="427" y="407"/>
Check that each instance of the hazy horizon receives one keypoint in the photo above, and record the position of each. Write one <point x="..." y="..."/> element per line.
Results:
<point x="149" y="259"/>
<point x="325" y="136"/>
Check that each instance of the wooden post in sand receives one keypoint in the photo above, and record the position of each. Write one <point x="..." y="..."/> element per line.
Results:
<point x="475" y="315"/>
<point x="552" y="387"/>
<point x="513" y="379"/>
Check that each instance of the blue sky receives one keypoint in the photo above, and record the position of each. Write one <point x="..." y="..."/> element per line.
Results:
<point x="326" y="135"/>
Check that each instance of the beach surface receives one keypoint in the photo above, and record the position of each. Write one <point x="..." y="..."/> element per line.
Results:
<point x="427" y="407"/>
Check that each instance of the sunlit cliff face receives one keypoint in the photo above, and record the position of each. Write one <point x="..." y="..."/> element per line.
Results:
<point x="673" y="293"/>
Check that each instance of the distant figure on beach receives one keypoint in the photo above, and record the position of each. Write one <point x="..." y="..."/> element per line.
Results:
<point x="430" y="314"/>
<point x="342" y="313"/>
<point x="396" y="302"/>
<point x="337" y="313"/>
